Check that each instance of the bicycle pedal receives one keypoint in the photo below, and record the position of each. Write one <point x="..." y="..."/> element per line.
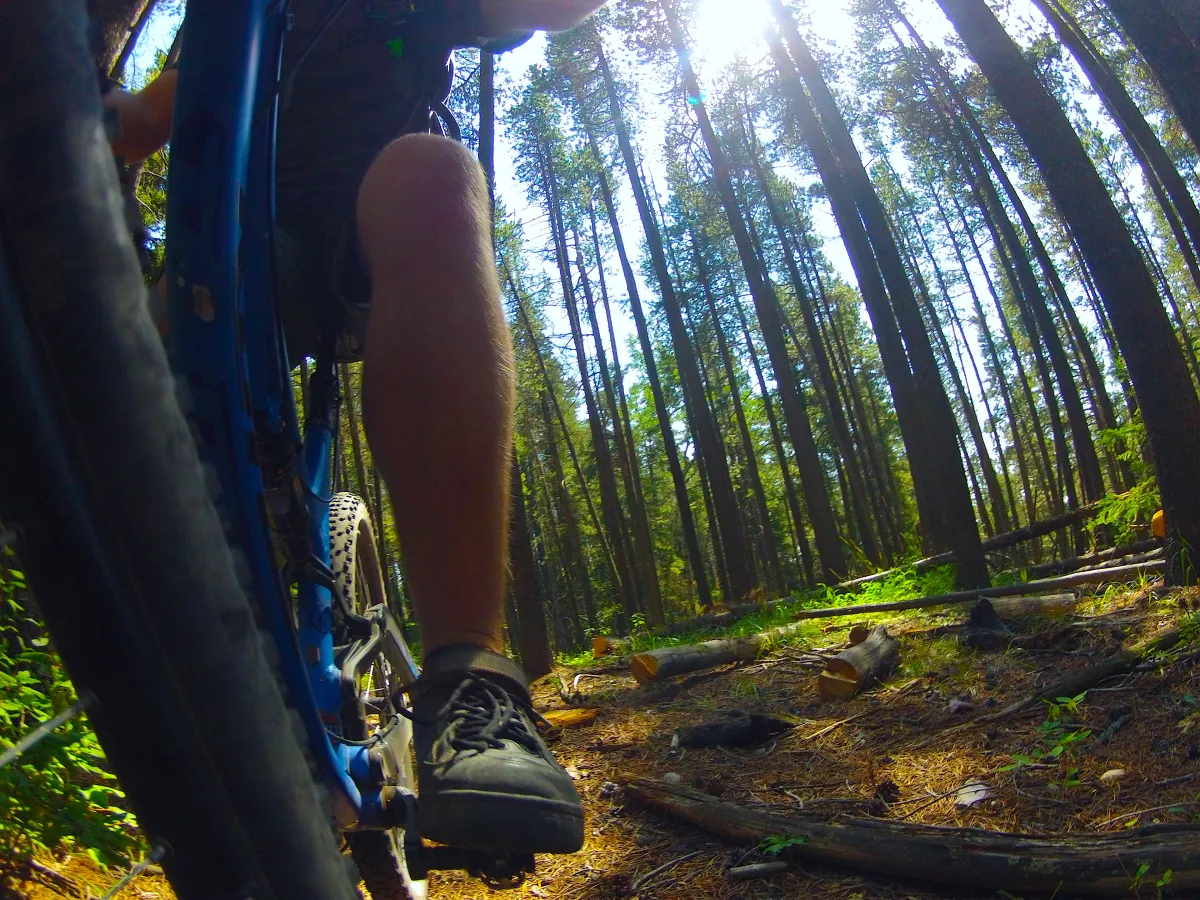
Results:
<point x="498" y="872"/>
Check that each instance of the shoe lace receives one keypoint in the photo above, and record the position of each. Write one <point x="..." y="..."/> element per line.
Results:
<point x="481" y="715"/>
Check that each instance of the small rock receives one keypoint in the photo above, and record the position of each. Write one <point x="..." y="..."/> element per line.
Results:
<point x="960" y="706"/>
<point x="1112" y="776"/>
<point x="1162" y="745"/>
<point x="672" y="778"/>
<point x="609" y="789"/>
<point x="972" y="792"/>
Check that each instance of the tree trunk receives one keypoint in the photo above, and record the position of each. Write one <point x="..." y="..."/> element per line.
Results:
<point x="953" y="521"/>
<point x="610" y="561"/>
<point x="570" y="523"/>
<point x="610" y="501"/>
<point x="728" y="522"/>
<point x="770" y="548"/>
<point x="1165" y="392"/>
<point x="643" y="543"/>
<point x="662" y="413"/>
<point x="127" y="48"/>
<point x="766" y="304"/>
<point x="785" y="469"/>
<point x="859" y="666"/>
<point x="113" y="19"/>
<point x="533" y="642"/>
<point x="1173" y="58"/>
<point x="350" y="396"/>
<point x="1183" y="216"/>
<point x="837" y="416"/>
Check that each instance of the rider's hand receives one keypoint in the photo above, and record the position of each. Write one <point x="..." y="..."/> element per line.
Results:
<point x="501" y="18"/>
<point x="145" y="117"/>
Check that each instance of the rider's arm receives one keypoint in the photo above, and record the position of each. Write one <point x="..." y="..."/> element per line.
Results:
<point x="504" y="17"/>
<point x="145" y="117"/>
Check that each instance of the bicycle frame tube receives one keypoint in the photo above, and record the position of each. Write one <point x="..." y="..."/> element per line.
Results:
<point x="227" y="340"/>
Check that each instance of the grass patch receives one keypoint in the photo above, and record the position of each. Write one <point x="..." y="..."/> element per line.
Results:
<point x="904" y="584"/>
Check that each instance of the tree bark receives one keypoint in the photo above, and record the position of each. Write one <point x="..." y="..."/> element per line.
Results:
<point x="1173" y="58"/>
<point x="1094" y="865"/>
<point x="1165" y="393"/>
<point x="858" y="667"/>
<point x="662" y="413"/>
<point x="766" y="305"/>
<point x="728" y="522"/>
<point x="953" y="522"/>
<point x="533" y="642"/>
<point x="113" y="19"/>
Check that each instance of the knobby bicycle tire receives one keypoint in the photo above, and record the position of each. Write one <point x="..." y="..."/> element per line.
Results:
<point x="120" y="535"/>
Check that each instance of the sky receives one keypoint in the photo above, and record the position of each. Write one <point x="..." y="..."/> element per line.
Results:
<point x="721" y="30"/>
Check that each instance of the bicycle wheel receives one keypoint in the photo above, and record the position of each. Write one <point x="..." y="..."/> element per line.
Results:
<point x="379" y="855"/>
<point x="119" y="532"/>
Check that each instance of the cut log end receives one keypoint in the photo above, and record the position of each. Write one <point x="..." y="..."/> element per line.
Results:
<point x="644" y="667"/>
<point x="859" y="666"/>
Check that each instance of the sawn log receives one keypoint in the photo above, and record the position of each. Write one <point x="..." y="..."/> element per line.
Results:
<point x="858" y="666"/>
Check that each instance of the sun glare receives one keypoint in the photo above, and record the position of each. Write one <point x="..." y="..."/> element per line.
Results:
<point x="724" y="29"/>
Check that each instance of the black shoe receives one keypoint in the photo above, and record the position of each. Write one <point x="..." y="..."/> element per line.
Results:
<point x="485" y="778"/>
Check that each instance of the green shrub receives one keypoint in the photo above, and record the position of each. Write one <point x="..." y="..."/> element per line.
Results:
<point x="59" y="794"/>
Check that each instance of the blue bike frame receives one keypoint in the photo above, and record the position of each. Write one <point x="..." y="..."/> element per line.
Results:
<point x="226" y="338"/>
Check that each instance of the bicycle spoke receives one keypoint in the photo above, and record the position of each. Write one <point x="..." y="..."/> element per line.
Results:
<point x="157" y="854"/>
<point x="31" y="740"/>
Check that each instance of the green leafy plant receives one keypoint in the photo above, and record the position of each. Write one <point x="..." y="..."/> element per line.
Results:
<point x="1162" y="883"/>
<point x="1056" y="738"/>
<point x="59" y="794"/>
<point x="1119" y="513"/>
<point x="774" y="844"/>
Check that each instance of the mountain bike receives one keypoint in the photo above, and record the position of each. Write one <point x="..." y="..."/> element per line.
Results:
<point x="224" y="612"/>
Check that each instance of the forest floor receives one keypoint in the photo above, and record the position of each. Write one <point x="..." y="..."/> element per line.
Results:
<point x="899" y="751"/>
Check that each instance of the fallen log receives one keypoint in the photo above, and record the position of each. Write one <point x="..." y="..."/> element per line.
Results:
<point x="602" y="645"/>
<point x="1063" y="566"/>
<point x="858" y="666"/>
<point x="757" y="870"/>
<point x="1081" y="864"/>
<point x="1038" y="529"/>
<point x="1075" y="683"/>
<point x="656" y="665"/>
<point x="1098" y="576"/>
<point x="992" y="544"/>
<point x="1016" y="607"/>
<point x="572" y="717"/>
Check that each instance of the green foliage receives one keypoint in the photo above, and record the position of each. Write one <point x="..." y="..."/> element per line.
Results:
<point x="775" y="844"/>
<point x="1056" y="738"/>
<point x="1143" y="871"/>
<point x="903" y="584"/>
<point x="1120" y="512"/>
<point x="59" y="793"/>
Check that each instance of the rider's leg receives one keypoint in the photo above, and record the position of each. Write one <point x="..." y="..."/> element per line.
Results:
<point x="438" y="382"/>
<point x="438" y="398"/>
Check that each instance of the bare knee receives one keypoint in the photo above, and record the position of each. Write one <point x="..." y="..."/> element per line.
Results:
<point x="422" y="192"/>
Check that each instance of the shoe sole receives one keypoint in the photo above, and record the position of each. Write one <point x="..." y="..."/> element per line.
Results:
<point x="512" y="823"/>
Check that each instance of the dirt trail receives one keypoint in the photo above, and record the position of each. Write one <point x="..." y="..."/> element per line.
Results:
<point x="899" y="751"/>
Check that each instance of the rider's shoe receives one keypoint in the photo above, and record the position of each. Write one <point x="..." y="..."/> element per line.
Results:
<point x="485" y="777"/>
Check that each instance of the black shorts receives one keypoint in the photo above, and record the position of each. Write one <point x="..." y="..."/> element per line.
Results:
<point x="340" y="105"/>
